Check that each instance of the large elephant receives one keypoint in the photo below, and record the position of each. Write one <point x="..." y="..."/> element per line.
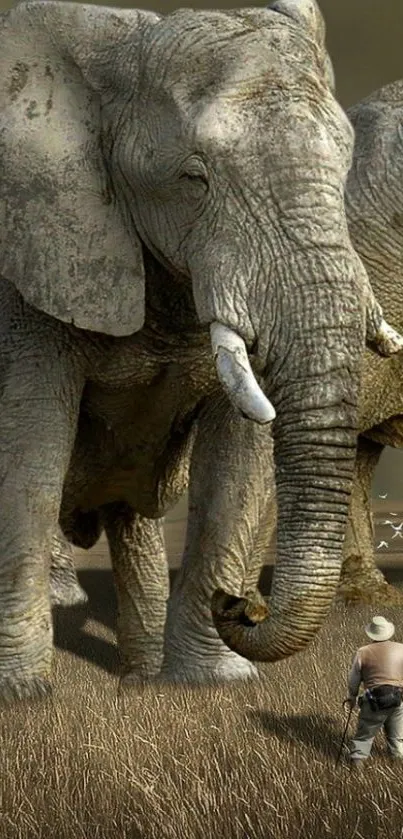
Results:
<point x="374" y="204"/>
<point x="172" y="209"/>
<point x="374" y="201"/>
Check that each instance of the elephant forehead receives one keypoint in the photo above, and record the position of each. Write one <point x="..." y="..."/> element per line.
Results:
<point x="241" y="119"/>
<point x="241" y="68"/>
<point x="240" y="104"/>
<point x="220" y="122"/>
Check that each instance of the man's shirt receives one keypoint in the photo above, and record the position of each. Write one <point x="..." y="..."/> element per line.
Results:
<point x="380" y="663"/>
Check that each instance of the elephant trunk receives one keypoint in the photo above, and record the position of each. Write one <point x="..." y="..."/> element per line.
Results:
<point x="315" y="432"/>
<point x="312" y="503"/>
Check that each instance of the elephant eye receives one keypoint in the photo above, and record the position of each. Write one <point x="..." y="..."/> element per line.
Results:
<point x="189" y="176"/>
<point x="195" y="172"/>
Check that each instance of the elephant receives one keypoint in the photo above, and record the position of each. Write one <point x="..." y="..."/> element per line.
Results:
<point x="374" y="206"/>
<point x="172" y="208"/>
<point x="374" y="203"/>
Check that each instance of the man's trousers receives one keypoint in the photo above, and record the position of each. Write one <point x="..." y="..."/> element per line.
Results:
<point x="369" y="723"/>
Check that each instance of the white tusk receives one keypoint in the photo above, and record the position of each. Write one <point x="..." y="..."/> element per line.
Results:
<point x="236" y="375"/>
<point x="387" y="340"/>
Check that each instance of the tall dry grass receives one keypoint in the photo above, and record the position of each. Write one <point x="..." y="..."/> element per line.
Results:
<point x="252" y="761"/>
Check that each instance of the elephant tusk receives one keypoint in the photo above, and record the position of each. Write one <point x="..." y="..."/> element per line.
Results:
<point x="236" y="375"/>
<point x="387" y="340"/>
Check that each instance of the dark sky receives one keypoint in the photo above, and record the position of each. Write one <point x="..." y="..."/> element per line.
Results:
<point x="365" y="42"/>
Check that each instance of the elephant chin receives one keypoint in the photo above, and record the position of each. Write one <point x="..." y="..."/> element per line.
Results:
<point x="236" y="375"/>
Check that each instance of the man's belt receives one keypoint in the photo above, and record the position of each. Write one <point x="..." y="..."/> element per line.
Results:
<point x="384" y="697"/>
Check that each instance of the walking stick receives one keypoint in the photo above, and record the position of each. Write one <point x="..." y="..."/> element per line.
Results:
<point x="345" y="731"/>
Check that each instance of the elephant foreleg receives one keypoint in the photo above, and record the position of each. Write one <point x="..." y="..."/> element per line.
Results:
<point x="360" y="580"/>
<point x="65" y="589"/>
<point x="231" y="483"/>
<point x="141" y="575"/>
<point x="40" y="390"/>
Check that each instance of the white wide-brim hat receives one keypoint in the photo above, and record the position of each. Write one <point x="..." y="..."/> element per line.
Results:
<point x="380" y="629"/>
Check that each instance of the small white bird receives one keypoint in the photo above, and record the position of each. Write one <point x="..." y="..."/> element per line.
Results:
<point x="383" y="496"/>
<point x="399" y="526"/>
<point x="382" y="545"/>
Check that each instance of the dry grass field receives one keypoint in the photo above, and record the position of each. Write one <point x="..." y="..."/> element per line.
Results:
<point x="242" y="762"/>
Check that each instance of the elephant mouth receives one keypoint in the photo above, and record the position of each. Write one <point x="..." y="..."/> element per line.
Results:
<point x="238" y="380"/>
<point x="236" y="375"/>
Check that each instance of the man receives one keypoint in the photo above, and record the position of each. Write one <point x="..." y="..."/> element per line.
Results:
<point x="379" y="666"/>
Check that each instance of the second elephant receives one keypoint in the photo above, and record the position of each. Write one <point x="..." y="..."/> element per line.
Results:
<point x="374" y="203"/>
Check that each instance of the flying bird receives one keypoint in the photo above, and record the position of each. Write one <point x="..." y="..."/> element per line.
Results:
<point x="397" y="530"/>
<point x="382" y="545"/>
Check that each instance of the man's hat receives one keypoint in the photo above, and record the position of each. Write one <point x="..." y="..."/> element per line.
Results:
<point x="380" y="629"/>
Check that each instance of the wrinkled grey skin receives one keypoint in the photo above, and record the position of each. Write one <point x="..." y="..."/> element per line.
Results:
<point x="163" y="178"/>
<point x="374" y="204"/>
<point x="374" y="200"/>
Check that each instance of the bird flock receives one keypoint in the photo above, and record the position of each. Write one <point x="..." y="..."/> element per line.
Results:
<point x="396" y="527"/>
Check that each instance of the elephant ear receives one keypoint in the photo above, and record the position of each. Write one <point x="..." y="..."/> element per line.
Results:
<point x="63" y="240"/>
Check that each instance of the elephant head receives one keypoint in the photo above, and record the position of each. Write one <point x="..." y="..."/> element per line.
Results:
<point x="214" y="140"/>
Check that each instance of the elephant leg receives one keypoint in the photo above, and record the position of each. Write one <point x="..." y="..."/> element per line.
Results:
<point x="40" y="391"/>
<point x="65" y="589"/>
<point x="361" y="581"/>
<point x="141" y="575"/>
<point x="231" y="479"/>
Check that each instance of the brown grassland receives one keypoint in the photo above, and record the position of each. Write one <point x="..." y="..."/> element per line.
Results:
<point x="252" y="761"/>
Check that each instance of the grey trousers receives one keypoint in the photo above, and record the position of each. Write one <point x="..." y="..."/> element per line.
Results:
<point x="369" y="723"/>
